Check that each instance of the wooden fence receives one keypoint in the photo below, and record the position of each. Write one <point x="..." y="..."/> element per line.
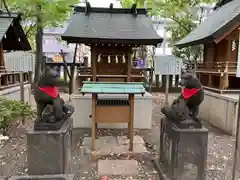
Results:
<point x="19" y="67"/>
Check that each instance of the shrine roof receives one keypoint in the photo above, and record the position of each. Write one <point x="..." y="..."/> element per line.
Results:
<point x="217" y="23"/>
<point x="12" y="35"/>
<point x="90" y="25"/>
<point x="112" y="88"/>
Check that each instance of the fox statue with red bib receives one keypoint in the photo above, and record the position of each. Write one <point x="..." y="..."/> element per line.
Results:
<point x="52" y="110"/>
<point x="186" y="106"/>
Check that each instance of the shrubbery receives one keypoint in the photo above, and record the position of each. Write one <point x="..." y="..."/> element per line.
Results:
<point x="10" y="111"/>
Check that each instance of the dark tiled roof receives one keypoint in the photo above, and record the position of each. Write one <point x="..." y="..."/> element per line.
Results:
<point x="11" y="32"/>
<point x="5" y="22"/>
<point x="219" y="21"/>
<point x="105" y="25"/>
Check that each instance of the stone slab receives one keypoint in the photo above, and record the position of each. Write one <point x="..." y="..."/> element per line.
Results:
<point x="49" y="152"/>
<point x="106" y="145"/>
<point x="123" y="140"/>
<point x="44" y="177"/>
<point x="117" y="167"/>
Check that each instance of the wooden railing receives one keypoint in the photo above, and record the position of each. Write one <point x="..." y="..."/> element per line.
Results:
<point x="220" y="67"/>
<point x="10" y="79"/>
<point x="84" y="71"/>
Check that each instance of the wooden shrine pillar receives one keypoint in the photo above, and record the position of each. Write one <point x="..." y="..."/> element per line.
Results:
<point x="2" y="64"/>
<point x="224" y="79"/>
<point x="93" y="63"/>
<point x="129" y="66"/>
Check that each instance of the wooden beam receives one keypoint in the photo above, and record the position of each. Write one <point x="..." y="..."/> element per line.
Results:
<point x="220" y="38"/>
<point x="94" y="101"/>
<point x="130" y="123"/>
<point x="93" y="63"/>
<point x="129" y="68"/>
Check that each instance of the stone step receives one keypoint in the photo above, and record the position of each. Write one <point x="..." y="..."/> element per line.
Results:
<point x="129" y="178"/>
<point x="117" y="167"/>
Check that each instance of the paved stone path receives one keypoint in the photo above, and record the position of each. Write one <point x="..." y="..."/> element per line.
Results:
<point x="115" y="146"/>
<point x="117" y="167"/>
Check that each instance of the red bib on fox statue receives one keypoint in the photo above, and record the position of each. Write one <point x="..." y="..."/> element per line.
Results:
<point x="188" y="93"/>
<point x="52" y="91"/>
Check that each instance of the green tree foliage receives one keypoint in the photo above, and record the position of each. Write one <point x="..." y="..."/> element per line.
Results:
<point x="11" y="110"/>
<point x="53" y="13"/>
<point x="183" y="13"/>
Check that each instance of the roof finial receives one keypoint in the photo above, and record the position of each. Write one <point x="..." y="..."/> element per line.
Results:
<point x="87" y="8"/>
<point x="134" y="9"/>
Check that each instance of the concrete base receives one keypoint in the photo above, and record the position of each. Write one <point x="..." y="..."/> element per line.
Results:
<point x="44" y="177"/>
<point x="83" y="105"/>
<point x="224" y="116"/>
<point x="49" y="152"/>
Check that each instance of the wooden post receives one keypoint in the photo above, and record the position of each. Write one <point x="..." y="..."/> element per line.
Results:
<point x="166" y="89"/>
<point x="176" y="80"/>
<point x="210" y="80"/>
<point x="94" y="100"/>
<point x="65" y="76"/>
<point x="93" y="63"/>
<point x="129" y="68"/>
<point x="2" y="64"/>
<point x="130" y="123"/>
<point x="72" y="71"/>
<point x="22" y="93"/>
<point x="5" y="79"/>
<point x="170" y="82"/>
<point x="30" y="81"/>
<point x="157" y="81"/>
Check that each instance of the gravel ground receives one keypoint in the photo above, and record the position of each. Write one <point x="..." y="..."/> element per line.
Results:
<point x="219" y="164"/>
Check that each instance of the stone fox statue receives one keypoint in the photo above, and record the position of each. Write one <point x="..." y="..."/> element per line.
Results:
<point x="51" y="108"/>
<point x="187" y="104"/>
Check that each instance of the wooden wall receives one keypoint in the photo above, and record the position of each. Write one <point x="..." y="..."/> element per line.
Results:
<point x="233" y="37"/>
<point x="220" y="52"/>
<point x="209" y="52"/>
<point x="112" y="68"/>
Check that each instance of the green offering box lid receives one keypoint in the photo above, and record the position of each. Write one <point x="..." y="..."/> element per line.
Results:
<point x="91" y="87"/>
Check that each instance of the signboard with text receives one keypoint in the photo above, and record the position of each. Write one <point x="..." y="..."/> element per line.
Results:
<point x="168" y="65"/>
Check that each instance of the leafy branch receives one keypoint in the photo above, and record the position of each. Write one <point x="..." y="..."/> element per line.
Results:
<point x="10" y="111"/>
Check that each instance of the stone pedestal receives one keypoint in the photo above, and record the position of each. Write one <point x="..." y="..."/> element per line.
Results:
<point x="183" y="152"/>
<point x="44" y="177"/>
<point x="49" y="152"/>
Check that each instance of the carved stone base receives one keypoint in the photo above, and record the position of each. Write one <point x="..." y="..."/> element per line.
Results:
<point x="49" y="152"/>
<point x="44" y="126"/>
<point x="188" y="123"/>
<point x="44" y="177"/>
<point x="183" y="152"/>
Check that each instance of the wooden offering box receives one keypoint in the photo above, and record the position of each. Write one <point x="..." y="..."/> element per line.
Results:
<point x="112" y="110"/>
